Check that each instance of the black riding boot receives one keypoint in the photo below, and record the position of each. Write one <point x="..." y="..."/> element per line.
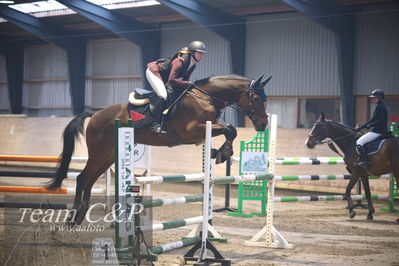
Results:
<point x="363" y="159"/>
<point x="157" y="106"/>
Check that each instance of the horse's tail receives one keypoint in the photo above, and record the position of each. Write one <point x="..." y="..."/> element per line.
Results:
<point x="71" y="133"/>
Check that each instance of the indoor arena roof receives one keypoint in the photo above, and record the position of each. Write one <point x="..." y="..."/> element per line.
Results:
<point x="148" y="11"/>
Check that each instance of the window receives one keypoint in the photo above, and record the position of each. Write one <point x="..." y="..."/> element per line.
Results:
<point x="311" y="108"/>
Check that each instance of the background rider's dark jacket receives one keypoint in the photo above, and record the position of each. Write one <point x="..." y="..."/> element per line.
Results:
<point x="379" y="122"/>
<point x="179" y="68"/>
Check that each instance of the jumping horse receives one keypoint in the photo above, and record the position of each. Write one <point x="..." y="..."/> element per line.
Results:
<point x="384" y="162"/>
<point x="187" y="126"/>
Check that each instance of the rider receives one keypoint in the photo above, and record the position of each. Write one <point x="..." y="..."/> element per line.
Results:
<point x="166" y="72"/>
<point x="378" y="124"/>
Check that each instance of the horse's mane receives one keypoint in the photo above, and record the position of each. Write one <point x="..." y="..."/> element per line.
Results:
<point x="217" y="79"/>
<point x="343" y="125"/>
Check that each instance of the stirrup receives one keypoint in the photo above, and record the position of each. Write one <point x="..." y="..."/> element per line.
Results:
<point x="156" y="128"/>
<point x="362" y="164"/>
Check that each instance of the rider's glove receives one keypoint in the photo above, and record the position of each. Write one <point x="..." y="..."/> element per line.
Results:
<point x="360" y="127"/>
<point x="190" y="86"/>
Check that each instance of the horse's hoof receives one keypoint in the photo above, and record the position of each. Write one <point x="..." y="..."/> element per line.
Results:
<point x="397" y="221"/>
<point x="369" y="217"/>
<point x="227" y="153"/>
<point x="352" y="214"/>
<point x="214" y="153"/>
<point x="220" y="158"/>
<point x="70" y="223"/>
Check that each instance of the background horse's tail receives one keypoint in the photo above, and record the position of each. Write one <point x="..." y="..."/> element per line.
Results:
<point x="71" y="133"/>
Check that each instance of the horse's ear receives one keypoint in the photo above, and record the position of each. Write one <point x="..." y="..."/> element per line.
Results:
<point x="265" y="82"/>
<point x="257" y="84"/>
<point x="322" y="117"/>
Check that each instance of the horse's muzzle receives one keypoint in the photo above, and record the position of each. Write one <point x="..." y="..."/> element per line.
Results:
<point x="310" y="143"/>
<point x="260" y="124"/>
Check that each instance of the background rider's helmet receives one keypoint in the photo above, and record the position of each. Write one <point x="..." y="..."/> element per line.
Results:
<point x="377" y="94"/>
<point x="197" y="46"/>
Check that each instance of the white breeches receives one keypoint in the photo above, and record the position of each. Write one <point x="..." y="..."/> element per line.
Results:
<point x="156" y="83"/>
<point x="366" y="138"/>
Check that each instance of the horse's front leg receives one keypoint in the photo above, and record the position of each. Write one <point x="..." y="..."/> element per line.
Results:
<point x="226" y="150"/>
<point x="348" y="197"/>
<point x="366" y="186"/>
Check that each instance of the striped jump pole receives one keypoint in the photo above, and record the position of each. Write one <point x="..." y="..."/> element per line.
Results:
<point x="172" y="201"/>
<point x="170" y="178"/>
<point x="48" y="159"/>
<point x="323" y="177"/>
<point x="311" y="161"/>
<point x="172" y="224"/>
<point x="327" y="197"/>
<point x="34" y="174"/>
<point x="39" y="159"/>
<point x="241" y="178"/>
<point x="31" y="205"/>
<point x="175" y="245"/>
<point x="41" y="190"/>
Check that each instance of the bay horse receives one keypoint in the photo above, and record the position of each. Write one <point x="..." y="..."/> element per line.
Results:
<point x="384" y="162"/>
<point x="187" y="126"/>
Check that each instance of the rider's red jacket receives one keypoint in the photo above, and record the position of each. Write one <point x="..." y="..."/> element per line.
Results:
<point x="180" y="67"/>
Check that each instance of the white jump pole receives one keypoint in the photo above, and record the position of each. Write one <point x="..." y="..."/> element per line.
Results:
<point x="273" y="239"/>
<point x="206" y="208"/>
<point x="108" y="189"/>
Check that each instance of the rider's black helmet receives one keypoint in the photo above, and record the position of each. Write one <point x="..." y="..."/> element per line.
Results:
<point x="197" y="46"/>
<point x="377" y="94"/>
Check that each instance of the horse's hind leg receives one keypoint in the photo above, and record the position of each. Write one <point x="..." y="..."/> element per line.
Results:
<point x="87" y="190"/>
<point x="366" y="186"/>
<point x="78" y="197"/>
<point x="82" y="181"/>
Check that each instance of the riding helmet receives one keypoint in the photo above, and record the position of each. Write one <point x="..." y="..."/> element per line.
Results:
<point x="197" y="46"/>
<point x="377" y="94"/>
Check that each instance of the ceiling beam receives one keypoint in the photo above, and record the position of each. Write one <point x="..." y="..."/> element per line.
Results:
<point x="217" y="20"/>
<point x="142" y="34"/>
<point x="48" y="32"/>
<point x="231" y="28"/>
<point x="14" y="55"/>
<point x="61" y="38"/>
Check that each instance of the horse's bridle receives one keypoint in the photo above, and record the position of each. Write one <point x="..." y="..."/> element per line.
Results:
<point x="250" y="110"/>
<point x="320" y="141"/>
<point x="331" y="142"/>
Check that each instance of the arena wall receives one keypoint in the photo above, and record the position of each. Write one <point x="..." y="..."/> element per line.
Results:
<point x="42" y="136"/>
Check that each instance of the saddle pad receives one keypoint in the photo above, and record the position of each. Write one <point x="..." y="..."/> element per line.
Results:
<point x="373" y="147"/>
<point x="144" y="110"/>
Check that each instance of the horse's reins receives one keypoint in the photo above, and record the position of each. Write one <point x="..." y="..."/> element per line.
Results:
<point x="225" y="103"/>
<point x="331" y="142"/>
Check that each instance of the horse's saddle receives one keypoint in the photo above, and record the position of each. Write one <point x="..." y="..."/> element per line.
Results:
<point x="139" y="101"/>
<point x="374" y="146"/>
<point x="140" y="96"/>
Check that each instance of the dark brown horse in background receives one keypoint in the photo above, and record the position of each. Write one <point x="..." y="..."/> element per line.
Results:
<point x="203" y="103"/>
<point x="384" y="162"/>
